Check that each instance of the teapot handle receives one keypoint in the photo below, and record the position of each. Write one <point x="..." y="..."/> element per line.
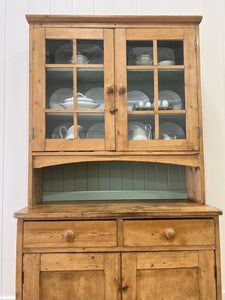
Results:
<point x="62" y="136"/>
<point x="148" y="129"/>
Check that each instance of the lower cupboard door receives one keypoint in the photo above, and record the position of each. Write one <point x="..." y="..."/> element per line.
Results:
<point x="174" y="275"/>
<point x="75" y="276"/>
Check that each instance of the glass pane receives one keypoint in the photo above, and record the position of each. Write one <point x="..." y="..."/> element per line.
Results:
<point x="59" y="51"/>
<point x="170" y="52"/>
<point x="59" y="126"/>
<point x="172" y="126"/>
<point x="141" y="127"/>
<point x="90" y="52"/>
<point x="139" y="53"/>
<point x="91" y="125"/>
<point x="59" y="88"/>
<point x="140" y="90"/>
<point x="171" y="89"/>
<point x="90" y="88"/>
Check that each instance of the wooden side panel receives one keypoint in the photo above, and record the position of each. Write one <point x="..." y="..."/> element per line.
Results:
<point x="38" y="90"/>
<point x="19" y="260"/>
<point x="207" y="281"/>
<point x="31" y="269"/>
<point x="195" y="185"/>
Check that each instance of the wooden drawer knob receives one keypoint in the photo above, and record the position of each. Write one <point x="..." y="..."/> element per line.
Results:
<point x="69" y="235"/>
<point x="169" y="233"/>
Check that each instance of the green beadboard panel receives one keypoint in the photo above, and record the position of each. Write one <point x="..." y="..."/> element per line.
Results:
<point x="114" y="180"/>
<point x="114" y="195"/>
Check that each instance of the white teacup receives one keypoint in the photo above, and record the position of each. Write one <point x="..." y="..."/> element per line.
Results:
<point x="68" y="134"/>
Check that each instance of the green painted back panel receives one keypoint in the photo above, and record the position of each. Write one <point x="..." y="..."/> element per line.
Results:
<point x="114" y="180"/>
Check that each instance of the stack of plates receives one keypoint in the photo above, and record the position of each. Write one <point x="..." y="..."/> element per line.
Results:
<point x="170" y="130"/>
<point x="64" y="54"/>
<point x="61" y="99"/>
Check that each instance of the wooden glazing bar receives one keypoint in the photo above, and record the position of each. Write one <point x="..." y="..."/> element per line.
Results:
<point x="82" y="66"/>
<point x="74" y="51"/>
<point x="150" y="67"/>
<point x="152" y="112"/>
<point x="64" y="111"/>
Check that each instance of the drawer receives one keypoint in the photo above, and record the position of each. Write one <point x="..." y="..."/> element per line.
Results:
<point x="183" y="232"/>
<point x="70" y="234"/>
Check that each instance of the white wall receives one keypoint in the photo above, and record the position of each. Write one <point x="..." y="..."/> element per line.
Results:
<point x="14" y="102"/>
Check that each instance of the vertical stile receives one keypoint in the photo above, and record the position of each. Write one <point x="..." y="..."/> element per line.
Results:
<point x="156" y="92"/>
<point x="110" y="124"/>
<point x="75" y="87"/>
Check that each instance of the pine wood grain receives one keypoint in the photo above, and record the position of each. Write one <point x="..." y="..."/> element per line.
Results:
<point x="112" y="209"/>
<point x="112" y="19"/>
<point x="31" y="269"/>
<point x="86" y="234"/>
<point x="152" y="232"/>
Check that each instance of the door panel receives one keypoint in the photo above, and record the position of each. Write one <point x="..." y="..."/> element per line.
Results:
<point x="73" y="89"/>
<point x="157" y="108"/>
<point x="168" y="275"/>
<point x="84" y="276"/>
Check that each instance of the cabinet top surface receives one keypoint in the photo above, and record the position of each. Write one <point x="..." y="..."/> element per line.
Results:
<point x="112" y="19"/>
<point x="113" y="209"/>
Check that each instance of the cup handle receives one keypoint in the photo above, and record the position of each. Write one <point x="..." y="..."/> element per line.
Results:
<point x="60" y="132"/>
<point x="148" y="129"/>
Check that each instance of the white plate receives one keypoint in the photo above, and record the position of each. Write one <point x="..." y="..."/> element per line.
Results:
<point x="64" y="54"/>
<point x="172" y="130"/>
<point x="166" y="63"/>
<point x="96" y="93"/>
<point x="97" y="131"/>
<point x="133" y="97"/>
<point x="57" y="98"/>
<point x="172" y="98"/>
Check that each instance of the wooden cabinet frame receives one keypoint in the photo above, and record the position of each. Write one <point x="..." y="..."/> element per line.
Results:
<point x="131" y="255"/>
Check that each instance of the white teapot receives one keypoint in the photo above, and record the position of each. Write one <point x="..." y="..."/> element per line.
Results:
<point x="68" y="134"/>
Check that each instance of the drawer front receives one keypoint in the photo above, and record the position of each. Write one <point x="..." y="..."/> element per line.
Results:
<point x="70" y="234"/>
<point x="169" y="232"/>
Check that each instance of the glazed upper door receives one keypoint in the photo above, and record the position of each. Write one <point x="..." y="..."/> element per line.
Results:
<point x="156" y="79"/>
<point x="72" y="90"/>
<point x="172" y="275"/>
<point x="69" y="276"/>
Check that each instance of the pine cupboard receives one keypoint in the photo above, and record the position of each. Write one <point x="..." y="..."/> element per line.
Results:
<point x="116" y="198"/>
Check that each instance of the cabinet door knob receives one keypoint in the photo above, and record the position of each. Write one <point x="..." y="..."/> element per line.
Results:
<point x="109" y="89"/>
<point x="121" y="89"/>
<point x="69" y="235"/>
<point x="169" y="233"/>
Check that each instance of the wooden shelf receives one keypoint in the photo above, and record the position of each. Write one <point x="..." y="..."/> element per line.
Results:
<point x="45" y="159"/>
<point x="111" y="209"/>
